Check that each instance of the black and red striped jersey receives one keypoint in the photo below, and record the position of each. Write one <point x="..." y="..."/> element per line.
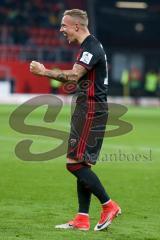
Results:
<point x="93" y="85"/>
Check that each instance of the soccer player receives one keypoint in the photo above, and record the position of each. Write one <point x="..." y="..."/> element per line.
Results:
<point x="89" y="119"/>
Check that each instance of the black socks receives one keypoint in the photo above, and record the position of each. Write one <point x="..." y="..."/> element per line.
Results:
<point x="84" y="197"/>
<point x="87" y="183"/>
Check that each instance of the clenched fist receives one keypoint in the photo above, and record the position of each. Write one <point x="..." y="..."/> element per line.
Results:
<point x="37" y="68"/>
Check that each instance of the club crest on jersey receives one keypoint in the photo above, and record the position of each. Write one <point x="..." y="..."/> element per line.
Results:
<point x="86" y="57"/>
<point x="73" y="142"/>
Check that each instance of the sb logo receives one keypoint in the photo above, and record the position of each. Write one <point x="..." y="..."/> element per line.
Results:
<point x="54" y="105"/>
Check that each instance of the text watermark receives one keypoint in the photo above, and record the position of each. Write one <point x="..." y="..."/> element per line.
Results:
<point x="124" y="156"/>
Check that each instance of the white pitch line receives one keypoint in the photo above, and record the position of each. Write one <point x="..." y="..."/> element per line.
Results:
<point x="157" y="149"/>
<point x="113" y="146"/>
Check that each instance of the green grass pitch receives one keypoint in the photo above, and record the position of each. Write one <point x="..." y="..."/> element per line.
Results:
<point x="35" y="196"/>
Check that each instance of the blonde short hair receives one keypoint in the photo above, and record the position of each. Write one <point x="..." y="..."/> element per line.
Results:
<point x="78" y="14"/>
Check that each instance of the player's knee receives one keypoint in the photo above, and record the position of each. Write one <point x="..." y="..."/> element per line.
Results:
<point x="72" y="167"/>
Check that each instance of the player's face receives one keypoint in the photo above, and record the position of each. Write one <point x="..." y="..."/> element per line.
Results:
<point x="68" y="28"/>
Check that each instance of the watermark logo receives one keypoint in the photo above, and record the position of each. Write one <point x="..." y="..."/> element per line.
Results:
<point x="54" y="105"/>
<point x="123" y="156"/>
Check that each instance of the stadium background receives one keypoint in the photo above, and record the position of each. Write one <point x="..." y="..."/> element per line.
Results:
<point x="34" y="196"/>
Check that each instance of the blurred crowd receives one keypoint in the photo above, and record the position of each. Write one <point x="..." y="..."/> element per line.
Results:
<point x="30" y="30"/>
<point x="136" y="84"/>
<point x="18" y="17"/>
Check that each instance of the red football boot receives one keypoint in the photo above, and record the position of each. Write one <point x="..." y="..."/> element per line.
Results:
<point x="81" y="222"/>
<point x="109" y="212"/>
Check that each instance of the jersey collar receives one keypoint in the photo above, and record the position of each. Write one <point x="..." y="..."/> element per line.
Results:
<point x="88" y="37"/>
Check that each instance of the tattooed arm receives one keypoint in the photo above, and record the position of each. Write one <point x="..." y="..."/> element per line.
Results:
<point x="61" y="75"/>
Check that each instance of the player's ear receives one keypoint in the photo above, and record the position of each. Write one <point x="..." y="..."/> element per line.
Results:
<point x="76" y="27"/>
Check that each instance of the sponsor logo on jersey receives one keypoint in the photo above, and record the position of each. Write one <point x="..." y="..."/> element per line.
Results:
<point x="86" y="57"/>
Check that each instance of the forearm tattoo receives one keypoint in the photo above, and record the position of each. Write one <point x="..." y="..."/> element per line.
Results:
<point x="62" y="77"/>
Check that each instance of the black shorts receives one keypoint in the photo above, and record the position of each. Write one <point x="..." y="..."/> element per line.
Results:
<point x="88" y="125"/>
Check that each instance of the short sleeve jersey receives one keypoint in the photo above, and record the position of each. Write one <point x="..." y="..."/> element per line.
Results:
<point x="93" y="85"/>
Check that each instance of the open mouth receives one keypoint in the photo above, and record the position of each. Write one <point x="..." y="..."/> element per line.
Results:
<point x="65" y="34"/>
